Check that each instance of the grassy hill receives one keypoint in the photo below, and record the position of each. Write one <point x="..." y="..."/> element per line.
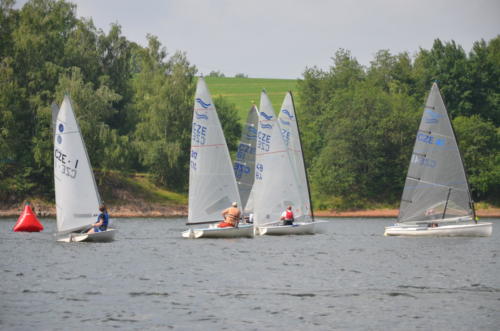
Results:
<point x="243" y="92"/>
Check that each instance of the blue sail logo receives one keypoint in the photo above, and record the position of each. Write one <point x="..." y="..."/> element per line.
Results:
<point x="284" y="122"/>
<point x="267" y="117"/>
<point x="61" y="127"/>
<point x="201" y="116"/>
<point x="287" y="113"/>
<point x="431" y="117"/>
<point x="202" y="103"/>
<point x="266" y="126"/>
<point x="251" y="133"/>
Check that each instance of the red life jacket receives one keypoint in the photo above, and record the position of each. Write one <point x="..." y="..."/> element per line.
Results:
<point x="289" y="215"/>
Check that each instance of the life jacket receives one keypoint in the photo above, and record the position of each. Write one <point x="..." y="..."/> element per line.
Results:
<point x="289" y="215"/>
<point x="105" y="220"/>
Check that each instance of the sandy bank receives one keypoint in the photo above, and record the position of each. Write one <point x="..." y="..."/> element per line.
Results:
<point x="157" y="210"/>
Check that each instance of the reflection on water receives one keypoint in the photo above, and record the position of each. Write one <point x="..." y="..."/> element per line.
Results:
<point x="350" y="277"/>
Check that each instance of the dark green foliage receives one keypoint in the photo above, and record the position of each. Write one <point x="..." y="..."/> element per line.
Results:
<point x="162" y="103"/>
<point x="359" y="124"/>
<point x="228" y="116"/>
<point x="480" y="147"/>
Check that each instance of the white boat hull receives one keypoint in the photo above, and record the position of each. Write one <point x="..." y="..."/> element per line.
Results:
<point x="481" y="229"/>
<point x="104" y="236"/>
<point x="284" y="230"/>
<point x="243" y="230"/>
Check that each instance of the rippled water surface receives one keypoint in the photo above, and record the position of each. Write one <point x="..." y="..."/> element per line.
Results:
<point x="350" y="277"/>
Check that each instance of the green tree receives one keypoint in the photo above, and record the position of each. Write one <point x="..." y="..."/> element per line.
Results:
<point x="163" y="101"/>
<point x="485" y="75"/>
<point x="479" y="142"/>
<point x="447" y="64"/>
<point x="93" y="108"/>
<point x="228" y="116"/>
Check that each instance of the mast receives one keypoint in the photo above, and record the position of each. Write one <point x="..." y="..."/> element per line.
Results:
<point x="303" y="159"/>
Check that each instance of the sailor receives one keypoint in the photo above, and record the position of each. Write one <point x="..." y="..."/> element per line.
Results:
<point x="102" y="221"/>
<point x="231" y="216"/>
<point x="287" y="216"/>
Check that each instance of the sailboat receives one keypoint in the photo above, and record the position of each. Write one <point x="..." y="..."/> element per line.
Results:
<point x="77" y="197"/>
<point x="244" y="165"/>
<point x="436" y="199"/>
<point x="212" y="183"/>
<point x="276" y="182"/>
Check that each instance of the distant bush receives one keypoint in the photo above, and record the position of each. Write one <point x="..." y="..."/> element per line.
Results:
<point x="216" y="74"/>
<point x="240" y="75"/>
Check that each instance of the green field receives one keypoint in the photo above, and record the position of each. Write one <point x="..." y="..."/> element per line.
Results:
<point x="243" y="92"/>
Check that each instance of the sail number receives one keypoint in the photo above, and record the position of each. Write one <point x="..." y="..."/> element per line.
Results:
<point x="194" y="156"/>
<point x="263" y="141"/>
<point x="63" y="161"/>
<point x="199" y="134"/>
<point x="428" y="139"/>
<point x="243" y="150"/>
<point x="286" y="136"/>
<point x="259" y="169"/>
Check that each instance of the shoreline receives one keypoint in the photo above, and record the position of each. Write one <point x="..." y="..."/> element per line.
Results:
<point x="159" y="211"/>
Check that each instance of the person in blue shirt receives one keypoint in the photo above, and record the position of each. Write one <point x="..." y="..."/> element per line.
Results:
<point x="102" y="221"/>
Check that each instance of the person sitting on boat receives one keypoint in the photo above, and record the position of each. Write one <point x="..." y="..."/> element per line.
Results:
<point x="102" y="221"/>
<point x="231" y="216"/>
<point x="287" y="216"/>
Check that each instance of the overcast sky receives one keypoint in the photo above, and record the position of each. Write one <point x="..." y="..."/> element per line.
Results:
<point x="280" y="38"/>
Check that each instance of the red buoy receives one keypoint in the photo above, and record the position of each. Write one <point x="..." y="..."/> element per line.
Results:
<point x="27" y="221"/>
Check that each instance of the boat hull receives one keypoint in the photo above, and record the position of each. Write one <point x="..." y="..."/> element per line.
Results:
<point x="481" y="229"/>
<point x="104" y="236"/>
<point x="242" y="231"/>
<point x="284" y="230"/>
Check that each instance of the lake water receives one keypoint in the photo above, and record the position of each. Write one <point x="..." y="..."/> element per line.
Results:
<point x="350" y="277"/>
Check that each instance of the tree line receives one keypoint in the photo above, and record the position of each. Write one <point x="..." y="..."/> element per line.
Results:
<point x="359" y="123"/>
<point x="134" y="106"/>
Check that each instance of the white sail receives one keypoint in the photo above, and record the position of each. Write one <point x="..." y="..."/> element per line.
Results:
<point x="291" y="136"/>
<point x="244" y="165"/>
<point x="275" y="181"/>
<point x="436" y="186"/>
<point x="212" y="183"/>
<point x="77" y="198"/>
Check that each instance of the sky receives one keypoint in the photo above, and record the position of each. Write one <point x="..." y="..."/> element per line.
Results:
<point x="281" y="38"/>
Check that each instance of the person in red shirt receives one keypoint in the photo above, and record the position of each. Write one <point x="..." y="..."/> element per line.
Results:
<point x="287" y="216"/>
